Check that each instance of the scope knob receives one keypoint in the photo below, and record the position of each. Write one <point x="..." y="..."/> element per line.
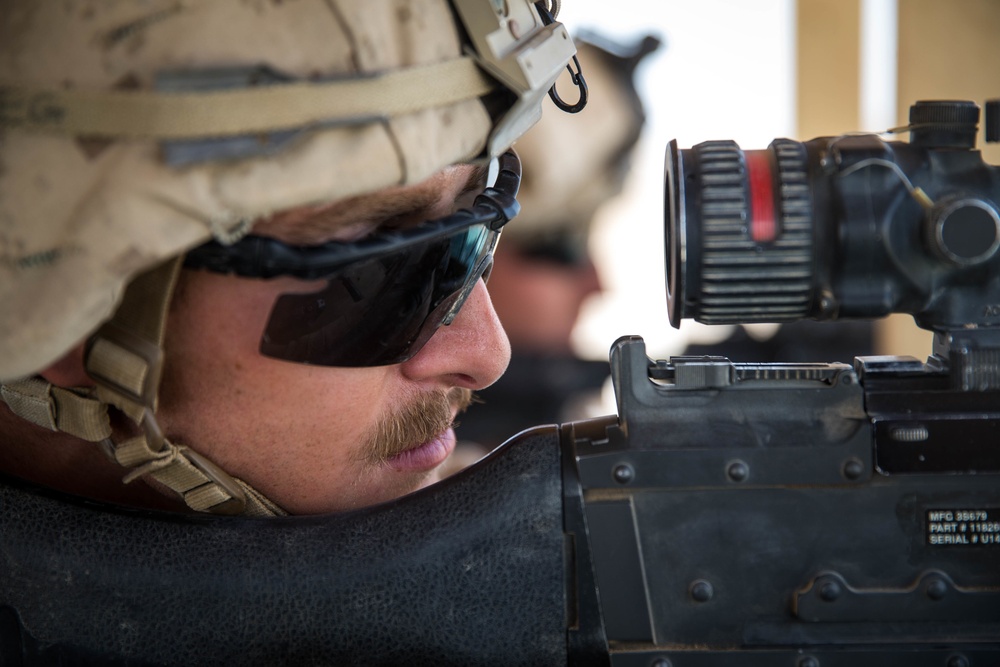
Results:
<point x="965" y="231"/>
<point x="944" y="124"/>
<point x="992" y="121"/>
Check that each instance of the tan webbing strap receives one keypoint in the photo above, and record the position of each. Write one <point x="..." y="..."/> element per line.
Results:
<point x="69" y="410"/>
<point x="30" y="399"/>
<point x="190" y="475"/>
<point x="124" y="358"/>
<point x="193" y="115"/>
<point x="79" y="413"/>
<point x="257" y="504"/>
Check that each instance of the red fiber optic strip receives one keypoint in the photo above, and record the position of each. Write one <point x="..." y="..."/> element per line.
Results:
<point x="763" y="226"/>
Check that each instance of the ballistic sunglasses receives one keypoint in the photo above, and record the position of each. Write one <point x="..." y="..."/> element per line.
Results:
<point x="386" y="294"/>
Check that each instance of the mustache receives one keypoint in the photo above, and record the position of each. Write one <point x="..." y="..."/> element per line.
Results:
<point x="415" y="423"/>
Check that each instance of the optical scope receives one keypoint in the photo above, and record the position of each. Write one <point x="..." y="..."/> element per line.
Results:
<point x="839" y="227"/>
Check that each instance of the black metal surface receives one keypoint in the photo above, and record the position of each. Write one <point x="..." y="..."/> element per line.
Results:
<point x="619" y="571"/>
<point x="762" y="560"/>
<point x="586" y="639"/>
<point x="933" y="596"/>
<point x="888" y="656"/>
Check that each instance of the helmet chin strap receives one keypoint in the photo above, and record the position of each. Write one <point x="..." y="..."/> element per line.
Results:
<point x="124" y="358"/>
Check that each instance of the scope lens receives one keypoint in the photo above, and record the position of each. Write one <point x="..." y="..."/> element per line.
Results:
<point x="739" y="233"/>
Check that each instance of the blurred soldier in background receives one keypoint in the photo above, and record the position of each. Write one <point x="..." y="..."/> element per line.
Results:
<point x="543" y="270"/>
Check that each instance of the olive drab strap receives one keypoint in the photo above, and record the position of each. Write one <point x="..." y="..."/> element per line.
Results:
<point x="124" y="358"/>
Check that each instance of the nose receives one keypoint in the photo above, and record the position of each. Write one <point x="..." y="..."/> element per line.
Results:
<point x="472" y="352"/>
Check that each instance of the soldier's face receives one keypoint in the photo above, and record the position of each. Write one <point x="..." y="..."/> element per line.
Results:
<point x="312" y="438"/>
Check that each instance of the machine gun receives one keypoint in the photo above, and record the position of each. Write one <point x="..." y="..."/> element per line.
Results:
<point x="813" y="514"/>
<point x="807" y="515"/>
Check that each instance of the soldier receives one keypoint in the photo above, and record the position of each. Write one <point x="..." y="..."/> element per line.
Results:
<point x="231" y="232"/>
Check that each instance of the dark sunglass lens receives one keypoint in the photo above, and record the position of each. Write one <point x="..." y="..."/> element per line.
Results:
<point x="379" y="311"/>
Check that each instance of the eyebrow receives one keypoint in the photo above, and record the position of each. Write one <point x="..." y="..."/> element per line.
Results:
<point x="364" y="213"/>
<point x="477" y="179"/>
<point x="412" y="205"/>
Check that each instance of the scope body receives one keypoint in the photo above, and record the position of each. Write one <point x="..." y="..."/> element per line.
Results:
<point x="835" y="227"/>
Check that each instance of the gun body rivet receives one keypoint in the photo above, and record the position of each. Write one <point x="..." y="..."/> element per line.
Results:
<point x="623" y="473"/>
<point x="958" y="661"/>
<point x="807" y="661"/>
<point x="936" y="589"/>
<point x="853" y="469"/>
<point x="701" y="590"/>
<point x="661" y="662"/>
<point x="738" y="471"/>
<point x="830" y="591"/>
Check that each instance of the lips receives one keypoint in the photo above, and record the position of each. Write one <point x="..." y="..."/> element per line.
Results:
<point x="426" y="456"/>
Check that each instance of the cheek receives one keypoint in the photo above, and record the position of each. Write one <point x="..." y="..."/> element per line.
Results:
<point x="217" y="318"/>
<point x="223" y="398"/>
<point x="212" y="335"/>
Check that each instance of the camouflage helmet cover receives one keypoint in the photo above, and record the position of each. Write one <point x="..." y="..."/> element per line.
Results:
<point x="80" y="214"/>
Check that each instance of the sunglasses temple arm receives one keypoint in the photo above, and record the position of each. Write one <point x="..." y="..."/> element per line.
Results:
<point x="502" y="197"/>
